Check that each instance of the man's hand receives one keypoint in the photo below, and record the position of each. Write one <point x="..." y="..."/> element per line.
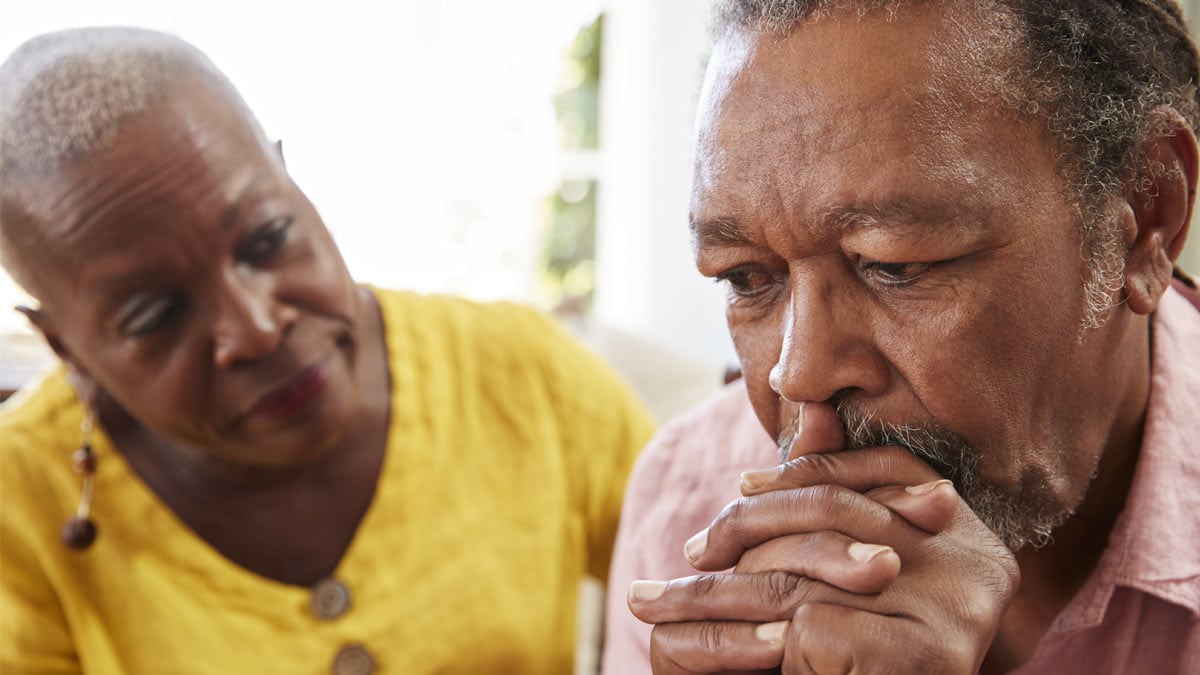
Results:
<point x="839" y="569"/>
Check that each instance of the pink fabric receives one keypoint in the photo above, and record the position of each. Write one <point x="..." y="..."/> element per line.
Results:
<point x="1139" y="612"/>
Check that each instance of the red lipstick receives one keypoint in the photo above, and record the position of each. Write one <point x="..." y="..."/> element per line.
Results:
<point x="296" y="395"/>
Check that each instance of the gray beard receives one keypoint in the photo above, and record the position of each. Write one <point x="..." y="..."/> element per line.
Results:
<point x="1018" y="519"/>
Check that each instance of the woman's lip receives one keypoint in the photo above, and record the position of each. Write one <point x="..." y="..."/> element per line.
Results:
<point x="296" y="395"/>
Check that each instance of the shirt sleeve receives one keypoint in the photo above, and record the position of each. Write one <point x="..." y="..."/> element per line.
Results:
<point x="627" y="639"/>
<point x="603" y="427"/>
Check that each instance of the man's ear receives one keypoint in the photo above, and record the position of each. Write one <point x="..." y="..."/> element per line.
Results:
<point x="1160" y="200"/>
<point x="86" y="387"/>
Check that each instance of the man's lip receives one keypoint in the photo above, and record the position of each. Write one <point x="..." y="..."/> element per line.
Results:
<point x="295" y="395"/>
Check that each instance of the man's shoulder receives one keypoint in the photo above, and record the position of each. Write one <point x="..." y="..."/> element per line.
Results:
<point x="720" y="436"/>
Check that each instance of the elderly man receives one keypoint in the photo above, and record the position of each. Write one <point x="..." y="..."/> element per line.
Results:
<point x="948" y="231"/>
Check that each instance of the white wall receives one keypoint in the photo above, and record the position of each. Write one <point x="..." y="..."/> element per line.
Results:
<point x="646" y="282"/>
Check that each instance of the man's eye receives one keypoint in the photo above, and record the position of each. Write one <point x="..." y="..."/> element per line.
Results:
<point x="150" y="316"/>
<point x="894" y="274"/>
<point x="746" y="282"/>
<point x="266" y="241"/>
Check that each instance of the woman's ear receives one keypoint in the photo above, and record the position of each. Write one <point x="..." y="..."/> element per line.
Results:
<point x="1160" y="200"/>
<point x="86" y="387"/>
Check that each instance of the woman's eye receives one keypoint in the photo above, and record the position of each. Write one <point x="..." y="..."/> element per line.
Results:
<point x="895" y="274"/>
<point x="150" y="316"/>
<point x="267" y="240"/>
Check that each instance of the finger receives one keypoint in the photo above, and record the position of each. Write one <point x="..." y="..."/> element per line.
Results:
<point x="710" y="647"/>
<point x="859" y="470"/>
<point x="761" y="597"/>
<point x="831" y="638"/>
<point x="930" y="506"/>
<point x="750" y="521"/>
<point x="818" y="431"/>
<point x="826" y="556"/>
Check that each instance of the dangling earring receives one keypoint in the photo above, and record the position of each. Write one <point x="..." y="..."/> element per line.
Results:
<point x="80" y="531"/>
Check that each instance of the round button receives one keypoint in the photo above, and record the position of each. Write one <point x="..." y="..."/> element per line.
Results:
<point x="330" y="599"/>
<point x="353" y="660"/>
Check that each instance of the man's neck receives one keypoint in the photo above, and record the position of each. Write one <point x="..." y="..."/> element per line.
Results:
<point x="1052" y="575"/>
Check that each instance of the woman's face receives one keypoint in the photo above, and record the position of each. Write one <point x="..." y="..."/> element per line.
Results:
<point x="185" y="274"/>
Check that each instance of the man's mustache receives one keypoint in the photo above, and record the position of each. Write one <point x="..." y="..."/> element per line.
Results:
<point x="937" y="445"/>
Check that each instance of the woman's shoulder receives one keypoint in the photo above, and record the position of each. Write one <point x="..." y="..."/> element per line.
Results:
<point x="39" y="429"/>
<point x="437" y="310"/>
<point x="40" y="413"/>
<point x="458" y="327"/>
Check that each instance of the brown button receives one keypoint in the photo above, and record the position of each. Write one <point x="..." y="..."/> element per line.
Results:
<point x="330" y="599"/>
<point x="353" y="660"/>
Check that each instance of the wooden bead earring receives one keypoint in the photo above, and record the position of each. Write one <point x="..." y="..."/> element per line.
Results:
<point x="80" y="531"/>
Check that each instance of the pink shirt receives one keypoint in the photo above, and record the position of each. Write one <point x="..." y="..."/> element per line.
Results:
<point x="1139" y="612"/>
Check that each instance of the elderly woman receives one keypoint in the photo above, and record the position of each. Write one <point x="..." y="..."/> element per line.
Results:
<point x="249" y="463"/>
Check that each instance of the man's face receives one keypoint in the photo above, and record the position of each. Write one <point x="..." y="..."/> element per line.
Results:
<point x="896" y="243"/>
<point x="184" y="272"/>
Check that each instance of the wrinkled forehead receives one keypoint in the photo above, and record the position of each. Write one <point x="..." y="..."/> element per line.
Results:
<point x="927" y="74"/>
<point x="191" y="147"/>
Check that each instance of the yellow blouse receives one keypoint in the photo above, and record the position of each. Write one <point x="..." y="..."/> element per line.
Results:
<point x="507" y="457"/>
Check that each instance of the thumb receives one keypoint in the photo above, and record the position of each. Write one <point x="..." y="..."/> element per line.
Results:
<point x="929" y="506"/>
<point x="818" y="430"/>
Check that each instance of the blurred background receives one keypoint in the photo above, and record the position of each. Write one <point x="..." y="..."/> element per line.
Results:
<point x="536" y="150"/>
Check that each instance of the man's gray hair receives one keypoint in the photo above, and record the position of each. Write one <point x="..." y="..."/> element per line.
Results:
<point x="1099" y="74"/>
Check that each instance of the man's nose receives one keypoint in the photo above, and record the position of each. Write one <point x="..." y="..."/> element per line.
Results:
<point x="249" y="324"/>
<point x="828" y="343"/>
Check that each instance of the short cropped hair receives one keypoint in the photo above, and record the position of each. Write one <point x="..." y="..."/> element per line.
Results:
<point x="1096" y="72"/>
<point x="64" y="95"/>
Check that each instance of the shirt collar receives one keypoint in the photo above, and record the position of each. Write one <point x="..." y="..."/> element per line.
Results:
<point x="1155" y="544"/>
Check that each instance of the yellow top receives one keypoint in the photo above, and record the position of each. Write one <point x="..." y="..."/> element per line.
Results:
<point x="507" y="457"/>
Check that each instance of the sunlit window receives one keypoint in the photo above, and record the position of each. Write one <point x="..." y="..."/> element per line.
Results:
<point x="425" y="132"/>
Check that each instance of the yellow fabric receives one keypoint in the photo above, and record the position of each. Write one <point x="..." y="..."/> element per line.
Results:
<point x="507" y="457"/>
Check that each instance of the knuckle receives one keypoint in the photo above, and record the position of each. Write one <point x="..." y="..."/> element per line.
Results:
<point x="813" y="469"/>
<point x="711" y="638"/>
<point x="733" y="512"/>
<point x="785" y="590"/>
<point x="827" y="500"/>
<point x="706" y="585"/>
<point x="731" y="522"/>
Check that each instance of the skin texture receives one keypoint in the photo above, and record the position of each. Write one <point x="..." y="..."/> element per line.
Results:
<point x="930" y="278"/>
<point x="204" y="310"/>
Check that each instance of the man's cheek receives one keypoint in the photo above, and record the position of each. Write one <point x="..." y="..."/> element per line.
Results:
<point x="758" y="351"/>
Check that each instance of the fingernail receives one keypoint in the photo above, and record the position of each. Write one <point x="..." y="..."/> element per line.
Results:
<point x="865" y="553"/>
<point x="647" y="590"/>
<point x="753" y="480"/>
<point x="926" y="488"/>
<point x="696" y="545"/>
<point x="771" y="632"/>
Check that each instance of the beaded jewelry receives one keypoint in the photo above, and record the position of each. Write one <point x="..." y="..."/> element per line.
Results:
<point x="80" y="531"/>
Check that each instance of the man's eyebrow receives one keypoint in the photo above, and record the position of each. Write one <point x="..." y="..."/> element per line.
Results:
<point x="901" y="212"/>
<point x="719" y="232"/>
<point x="895" y="213"/>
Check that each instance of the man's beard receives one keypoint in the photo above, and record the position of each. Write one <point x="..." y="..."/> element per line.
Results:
<point x="1017" y="519"/>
